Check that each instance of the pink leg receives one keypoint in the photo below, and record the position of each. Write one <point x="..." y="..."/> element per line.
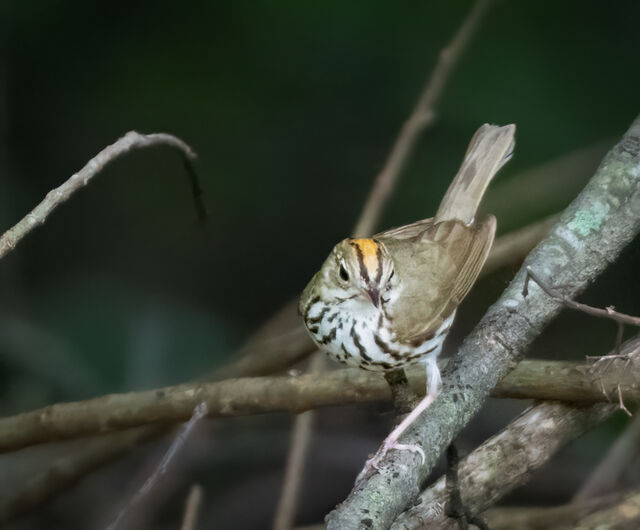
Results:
<point x="390" y="441"/>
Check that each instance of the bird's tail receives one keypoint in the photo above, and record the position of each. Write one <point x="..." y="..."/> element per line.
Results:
<point x="490" y="148"/>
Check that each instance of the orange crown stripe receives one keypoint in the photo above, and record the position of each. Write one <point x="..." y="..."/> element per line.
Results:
<point x="369" y="249"/>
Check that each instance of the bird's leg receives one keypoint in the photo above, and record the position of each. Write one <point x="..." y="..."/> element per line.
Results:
<point x="434" y="383"/>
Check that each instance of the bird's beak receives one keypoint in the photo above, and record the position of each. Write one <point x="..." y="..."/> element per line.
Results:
<point x="374" y="295"/>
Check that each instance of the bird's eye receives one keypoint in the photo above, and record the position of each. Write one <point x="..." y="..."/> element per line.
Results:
<point x="343" y="273"/>
<point x="392" y="274"/>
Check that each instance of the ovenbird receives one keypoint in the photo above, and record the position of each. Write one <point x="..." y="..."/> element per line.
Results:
<point x="386" y="302"/>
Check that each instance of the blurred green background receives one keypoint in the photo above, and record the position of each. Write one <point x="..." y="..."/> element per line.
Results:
<point x="292" y="108"/>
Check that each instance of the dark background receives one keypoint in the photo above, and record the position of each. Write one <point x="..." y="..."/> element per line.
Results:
<point x="292" y="108"/>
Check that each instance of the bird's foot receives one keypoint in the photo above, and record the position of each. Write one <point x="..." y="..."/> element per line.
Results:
<point x="373" y="464"/>
<point x="391" y="442"/>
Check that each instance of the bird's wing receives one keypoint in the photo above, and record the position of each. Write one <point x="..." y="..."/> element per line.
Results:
<point x="437" y="267"/>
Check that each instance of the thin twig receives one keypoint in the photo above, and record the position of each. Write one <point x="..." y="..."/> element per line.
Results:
<point x="129" y="142"/>
<point x="192" y="506"/>
<point x="621" y="404"/>
<point x="199" y="412"/>
<point x="608" y="312"/>
<point x="421" y="117"/>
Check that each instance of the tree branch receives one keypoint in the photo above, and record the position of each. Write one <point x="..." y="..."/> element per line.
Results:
<point x="129" y="142"/>
<point x="551" y="380"/>
<point x="590" y="234"/>
<point x="301" y="435"/>
<point x="556" y="380"/>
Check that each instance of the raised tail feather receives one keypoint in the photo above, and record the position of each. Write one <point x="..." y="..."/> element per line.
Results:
<point x="490" y="149"/>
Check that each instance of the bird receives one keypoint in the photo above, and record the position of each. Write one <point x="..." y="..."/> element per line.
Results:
<point x="388" y="301"/>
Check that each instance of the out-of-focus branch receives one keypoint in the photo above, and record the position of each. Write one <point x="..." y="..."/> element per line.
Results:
<point x="606" y="475"/>
<point x="550" y="380"/>
<point x="129" y="142"/>
<point x="624" y="514"/>
<point x="590" y="234"/>
<point x="565" y="517"/>
<point x="505" y="461"/>
<point x="192" y="506"/>
<point x="301" y="435"/>
<point x="65" y="471"/>
<point x="199" y="412"/>
<point x="421" y="116"/>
